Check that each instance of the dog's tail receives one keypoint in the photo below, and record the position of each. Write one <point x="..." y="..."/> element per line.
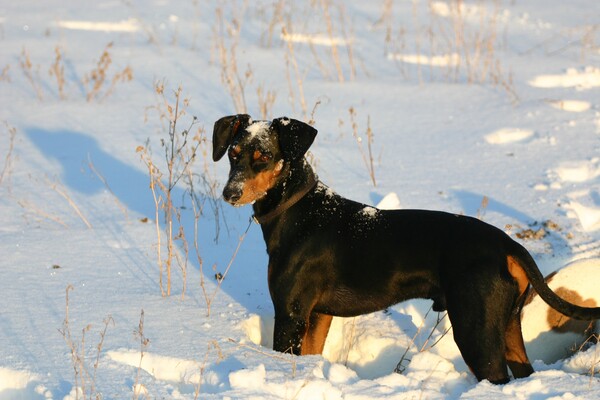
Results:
<point x="535" y="277"/>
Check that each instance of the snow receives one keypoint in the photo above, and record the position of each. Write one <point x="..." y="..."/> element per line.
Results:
<point x="319" y="40"/>
<point x="258" y="128"/>
<point x="587" y="78"/>
<point x="571" y="105"/>
<point x="514" y="147"/>
<point x="130" y="25"/>
<point x="420" y="59"/>
<point x="508" y="135"/>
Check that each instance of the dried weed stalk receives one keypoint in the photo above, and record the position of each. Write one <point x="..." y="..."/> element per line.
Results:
<point x="459" y="42"/>
<point x="57" y="187"/>
<point x="138" y="388"/>
<point x="230" y="75"/>
<point x="485" y="201"/>
<point x="290" y="58"/>
<point x="4" y="75"/>
<point x="107" y="186"/>
<point x="41" y="213"/>
<point x="8" y="160"/>
<point x="96" y="80"/>
<point x="180" y="150"/>
<point x="265" y="102"/>
<point x="209" y="297"/>
<point x="84" y="373"/>
<point x="32" y="77"/>
<point x="58" y="71"/>
<point x="287" y="357"/>
<point x="400" y="368"/>
<point x="325" y="4"/>
<point x="368" y="155"/>
<point x="212" y="345"/>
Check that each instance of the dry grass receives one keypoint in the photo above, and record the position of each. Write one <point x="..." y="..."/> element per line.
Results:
<point x="485" y="201"/>
<point x="85" y="366"/>
<point x="97" y="82"/>
<point x="31" y="75"/>
<point x="226" y="35"/>
<point x="209" y="297"/>
<point x="102" y="179"/>
<point x="180" y="149"/>
<point x="58" y="188"/>
<point x="286" y="357"/>
<point x="32" y="208"/>
<point x="139" y="389"/>
<point x="9" y="159"/>
<point x="266" y="100"/>
<point x="582" y="37"/>
<point x="183" y="149"/>
<point x="400" y="367"/>
<point x="290" y="60"/>
<point x="4" y="74"/>
<point x="57" y="70"/>
<point x="367" y="156"/>
<point x="454" y="41"/>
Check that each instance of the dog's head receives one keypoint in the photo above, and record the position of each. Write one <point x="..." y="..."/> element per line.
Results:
<point x="259" y="153"/>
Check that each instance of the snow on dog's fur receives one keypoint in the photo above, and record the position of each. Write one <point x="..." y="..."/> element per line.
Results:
<point x="548" y="334"/>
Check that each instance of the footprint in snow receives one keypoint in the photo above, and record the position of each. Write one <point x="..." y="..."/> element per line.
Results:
<point x="583" y="204"/>
<point x="588" y="216"/>
<point x="576" y="106"/>
<point x="508" y="135"/>
<point x="584" y="79"/>
<point x="578" y="171"/>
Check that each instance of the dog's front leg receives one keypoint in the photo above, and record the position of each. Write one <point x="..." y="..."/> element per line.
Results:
<point x="289" y="332"/>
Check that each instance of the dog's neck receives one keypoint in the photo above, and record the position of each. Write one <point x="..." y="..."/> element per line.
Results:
<point x="298" y="180"/>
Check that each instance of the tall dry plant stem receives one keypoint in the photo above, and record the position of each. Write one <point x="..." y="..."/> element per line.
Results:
<point x="58" y="71"/>
<point x="325" y="4"/>
<point x="8" y="160"/>
<point x="98" y="80"/>
<point x="211" y="297"/>
<point x="400" y="367"/>
<point x="368" y="155"/>
<point x="180" y="152"/>
<point x="57" y="187"/>
<point x="27" y="68"/>
<point x="144" y="342"/>
<point x="291" y="59"/>
<point x="84" y="378"/>
<point x="230" y="75"/>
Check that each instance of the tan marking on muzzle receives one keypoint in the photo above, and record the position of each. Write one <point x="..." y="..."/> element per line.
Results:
<point x="257" y="187"/>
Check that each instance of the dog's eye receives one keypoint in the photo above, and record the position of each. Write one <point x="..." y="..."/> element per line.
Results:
<point x="235" y="151"/>
<point x="262" y="157"/>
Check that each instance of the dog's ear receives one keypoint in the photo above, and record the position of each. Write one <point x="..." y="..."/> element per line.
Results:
<point x="224" y="132"/>
<point x="295" y="137"/>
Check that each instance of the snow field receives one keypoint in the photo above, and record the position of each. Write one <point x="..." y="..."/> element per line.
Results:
<point x="447" y="134"/>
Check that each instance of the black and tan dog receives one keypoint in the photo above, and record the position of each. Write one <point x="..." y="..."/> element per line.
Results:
<point x="332" y="256"/>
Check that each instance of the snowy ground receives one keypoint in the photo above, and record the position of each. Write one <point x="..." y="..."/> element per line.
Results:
<point x="490" y="110"/>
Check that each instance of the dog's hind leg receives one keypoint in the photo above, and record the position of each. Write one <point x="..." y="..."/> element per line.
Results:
<point x="483" y="351"/>
<point x="316" y="334"/>
<point x="479" y="314"/>
<point x="515" y="349"/>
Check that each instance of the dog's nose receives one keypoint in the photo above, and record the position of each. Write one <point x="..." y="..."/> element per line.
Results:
<point x="231" y="194"/>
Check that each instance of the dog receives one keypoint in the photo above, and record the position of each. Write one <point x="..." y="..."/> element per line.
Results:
<point x="330" y="256"/>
